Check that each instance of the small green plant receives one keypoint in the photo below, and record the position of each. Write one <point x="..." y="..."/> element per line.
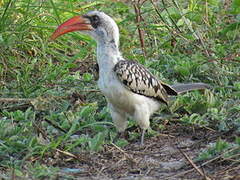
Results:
<point x="221" y="148"/>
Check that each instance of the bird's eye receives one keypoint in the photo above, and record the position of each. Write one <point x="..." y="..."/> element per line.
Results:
<point x="95" y="18"/>
<point x="95" y="21"/>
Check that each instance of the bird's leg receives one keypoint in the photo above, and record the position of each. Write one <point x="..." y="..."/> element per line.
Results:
<point x="142" y="136"/>
<point x="120" y="135"/>
<point x="142" y="115"/>
<point x="119" y="120"/>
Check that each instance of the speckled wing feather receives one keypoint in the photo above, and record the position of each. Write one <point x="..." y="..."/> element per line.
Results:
<point x="139" y="80"/>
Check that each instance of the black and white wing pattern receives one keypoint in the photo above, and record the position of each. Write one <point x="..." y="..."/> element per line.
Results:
<point x="139" y="80"/>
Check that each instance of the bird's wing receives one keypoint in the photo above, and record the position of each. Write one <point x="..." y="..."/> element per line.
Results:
<point x="139" y="80"/>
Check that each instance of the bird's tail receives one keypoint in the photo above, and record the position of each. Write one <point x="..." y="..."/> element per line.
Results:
<point x="182" y="88"/>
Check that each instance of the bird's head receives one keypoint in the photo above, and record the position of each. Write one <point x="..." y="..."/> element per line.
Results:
<point x="97" y="24"/>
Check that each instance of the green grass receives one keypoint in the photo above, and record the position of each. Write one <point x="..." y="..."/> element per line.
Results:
<point x="54" y="107"/>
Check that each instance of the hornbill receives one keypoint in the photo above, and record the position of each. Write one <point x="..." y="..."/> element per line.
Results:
<point x="130" y="89"/>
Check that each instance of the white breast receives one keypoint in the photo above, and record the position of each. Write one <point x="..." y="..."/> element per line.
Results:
<point x="114" y="91"/>
<point x="122" y="98"/>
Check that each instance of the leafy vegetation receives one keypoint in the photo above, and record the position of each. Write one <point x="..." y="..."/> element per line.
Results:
<point x="49" y="99"/>
<point x="222" y="148"/>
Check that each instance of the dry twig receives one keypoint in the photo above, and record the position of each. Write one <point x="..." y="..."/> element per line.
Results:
<point x="81" y="159"/>
<point x="137" y="8"/>
<point x="125" y="154"/>
<point x="194" y="165"/>
<point x="55" y="125"/>
<point x="12" y="100"/>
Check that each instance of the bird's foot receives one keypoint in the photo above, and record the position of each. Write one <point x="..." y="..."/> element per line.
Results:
<point x="120" y="135"/>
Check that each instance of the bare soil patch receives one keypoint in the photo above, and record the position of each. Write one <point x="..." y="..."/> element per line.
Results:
<point x="167" y="156"/>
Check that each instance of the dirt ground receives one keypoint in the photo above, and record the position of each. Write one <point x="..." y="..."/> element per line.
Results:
<point x="167" y="156"/>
